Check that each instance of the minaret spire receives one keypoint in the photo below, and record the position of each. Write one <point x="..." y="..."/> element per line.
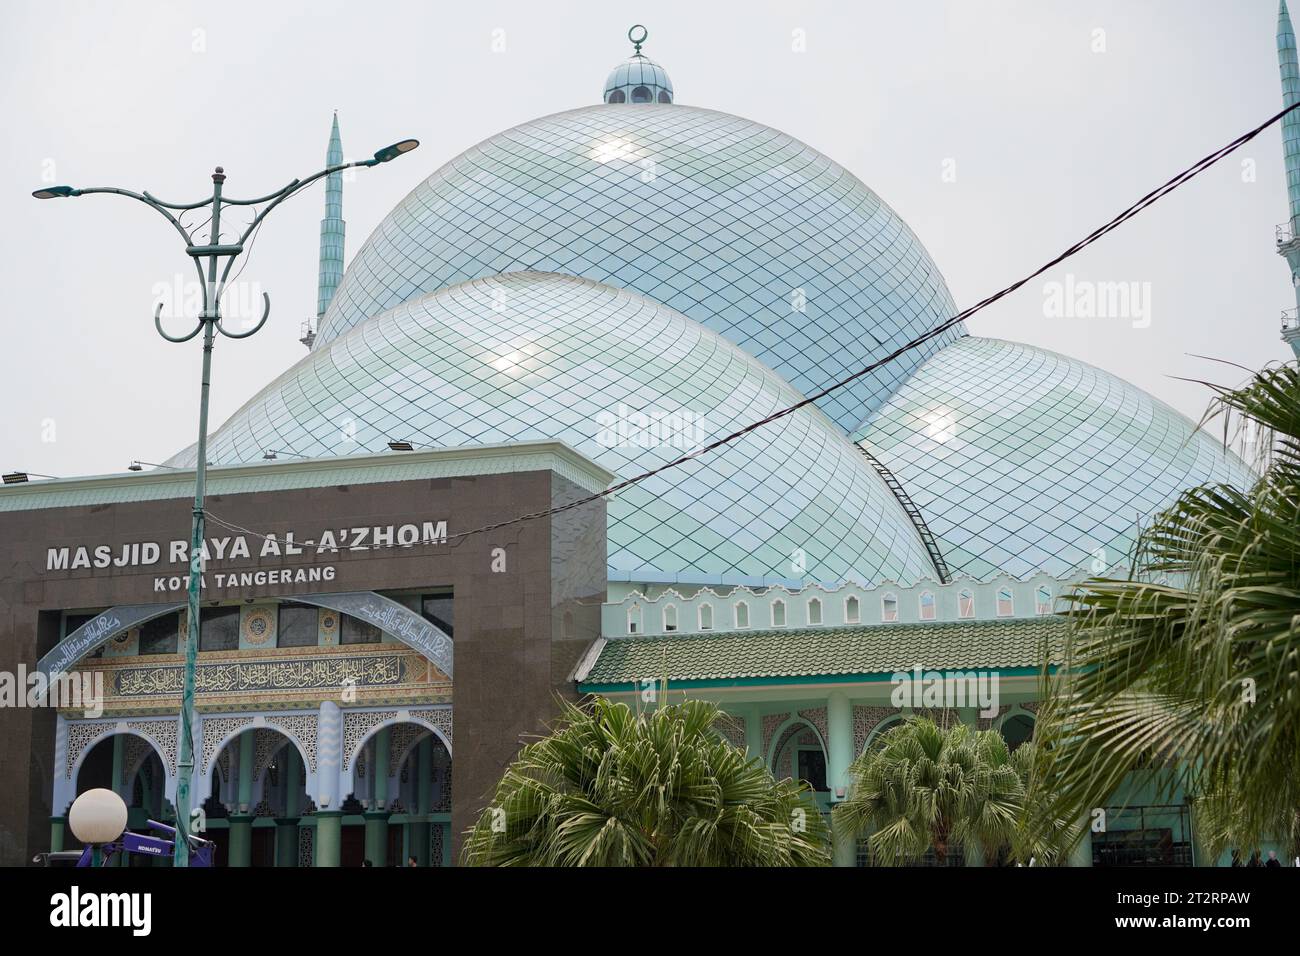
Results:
<point x="332" y="231"/>
<point x="1288" y="244"/>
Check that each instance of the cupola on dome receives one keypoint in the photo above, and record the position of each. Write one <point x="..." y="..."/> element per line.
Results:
<point x="638" y="79"/>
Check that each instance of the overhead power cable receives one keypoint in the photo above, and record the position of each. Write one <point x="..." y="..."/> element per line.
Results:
<point x="1149" y="199"/>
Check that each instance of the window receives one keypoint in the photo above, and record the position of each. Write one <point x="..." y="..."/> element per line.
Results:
<point x="437" y="609"/>
<point x="778" y="613"/>
<point x="1043" y="600"/>
<point x="297" y="626"/>
<point x="852" y="610"/>
<point x="1006" y="607"/>
<point x="670" y="618"/>
<point x="815" y="611"/>
<point x="966" y="603"/>
<point x="889" y="608"/>
<point x="359" y="632"/>
<point x="617" y="97"/>
<point x="1017" y="729"/>
<point x="642" y="94"/>
<point x="706" y="617"/>
<point x="219" y="629"/>
<point x="159" y="636"/>
<point x="927" y="606"/>
<point x="812" y="768"/>
<point x="634" y="619"/>
<point x="742" y="614"/>
<point x="664" y="97"/>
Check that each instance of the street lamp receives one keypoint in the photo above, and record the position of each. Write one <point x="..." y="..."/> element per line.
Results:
<point x="209" y="323"/>
<point x="19" y="477"/>
<point x="97" y="817"/>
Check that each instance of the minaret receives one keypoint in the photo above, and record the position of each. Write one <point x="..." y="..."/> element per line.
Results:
<point x="1288" y="243"/>
<point x="332" y="231"/>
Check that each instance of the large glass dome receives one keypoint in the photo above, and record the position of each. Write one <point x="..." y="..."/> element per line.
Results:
<point x="1022" y="459"/>
<point x="740" y="227"/>
<point x="626" y="381"/>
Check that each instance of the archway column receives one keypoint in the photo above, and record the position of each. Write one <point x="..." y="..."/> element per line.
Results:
<point x="754" y="732"/>
<point x="377" y="816"/>
<point x="839" y="727"/>
<point x="329" y="837"/>
<point x="418" y="833"/>
<point x="286" y="827"/>
<point x="240" y="852"/>
<point x="57" y="827"/>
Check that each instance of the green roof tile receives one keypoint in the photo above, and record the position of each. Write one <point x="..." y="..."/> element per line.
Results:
<point x="808" y="652"/>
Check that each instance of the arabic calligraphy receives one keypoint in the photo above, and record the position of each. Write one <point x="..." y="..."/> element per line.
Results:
<point x="230" y="677"/>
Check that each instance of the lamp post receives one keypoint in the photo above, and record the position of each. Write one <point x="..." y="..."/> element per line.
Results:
<point x="220" y="258"/>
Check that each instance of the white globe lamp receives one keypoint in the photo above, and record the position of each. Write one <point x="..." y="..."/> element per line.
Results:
<point x="97" y="816"/>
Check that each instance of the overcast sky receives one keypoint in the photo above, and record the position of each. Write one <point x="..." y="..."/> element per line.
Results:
<point x="1000" y="131"/>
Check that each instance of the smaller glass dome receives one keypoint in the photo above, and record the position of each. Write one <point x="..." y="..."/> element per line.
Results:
<point x="638" y="79"/>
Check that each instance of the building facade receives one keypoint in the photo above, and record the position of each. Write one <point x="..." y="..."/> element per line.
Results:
<point x="347" y="620"/>
<point x="573" y="303"/>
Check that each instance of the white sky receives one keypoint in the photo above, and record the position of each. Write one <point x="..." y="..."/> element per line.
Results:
<point x="1048" y="137"/>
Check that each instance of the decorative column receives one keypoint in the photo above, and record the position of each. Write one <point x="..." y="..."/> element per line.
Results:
<point x="240" y="852"/>
<point x="57" y="827"/>
<point x="419" y="831"/>
<point x="329" y="818"/>
<point x="63" y="789"/>
<point x="839" y="726"/>
<point x="377" y="816"/>
<point x="286" y="827"/>
<point x="754" y="732"/>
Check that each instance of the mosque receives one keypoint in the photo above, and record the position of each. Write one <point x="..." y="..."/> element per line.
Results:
<point x="571" y="303"/>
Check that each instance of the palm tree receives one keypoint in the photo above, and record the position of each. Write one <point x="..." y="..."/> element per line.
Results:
<point x="610" y="787"/>
<point x="920" y="787"/>
<point x="1192" y="664"/>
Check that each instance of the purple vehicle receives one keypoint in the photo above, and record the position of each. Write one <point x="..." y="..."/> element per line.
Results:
<point x="137" y="843"/>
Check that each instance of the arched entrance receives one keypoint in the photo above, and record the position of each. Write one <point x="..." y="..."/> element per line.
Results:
<point x="256" y="803"/>
<point x="127" y="764"/>
<point x="400" y="801"/>
<point x="799" y="753"/>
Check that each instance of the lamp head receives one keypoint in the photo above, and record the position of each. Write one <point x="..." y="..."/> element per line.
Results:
<point x="389" y="153"/>
<point x="54" y="192"/>
<point x="97" y="816"/>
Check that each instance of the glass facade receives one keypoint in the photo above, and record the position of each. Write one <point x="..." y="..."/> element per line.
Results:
<point x="742" y="228"/>
<point x="298" y="626"/>
<point x="627" y="382"/>
<point x="161" y="635"/>
<point x="1024" y="460"/>
<point x="219" y="629"/>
